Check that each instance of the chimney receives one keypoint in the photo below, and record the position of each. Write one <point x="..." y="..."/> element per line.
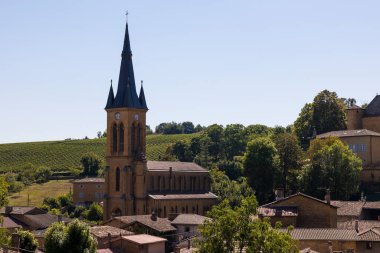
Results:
<point x="357" y="226"/>
<point x="153" y="217"/>
<point x="328" y="196"/>
<point x="279" y="192"/>
<point x="330" y="247"/>
<point x="8" y="209"/>
<point x="109" y="240"/>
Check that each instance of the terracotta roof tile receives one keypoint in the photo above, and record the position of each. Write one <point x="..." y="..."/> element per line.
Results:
<point x="144" y="239"/>
<point x="103" y="231"/>
<point x="372" y="205"/>
<point x="348" y="208"/>
<point x="90" y="180"/>
<point x="8" y="222"/>
<point x="294" y="195"/>
<point x="349" y="133"/>
<point x="331" y="234"/>
<point x="207" y="195"/>
<point x="189" y="219"/>
<point x="363" y="224"/>
<point x="160" y="225"/>
<point x="176" y="166"/>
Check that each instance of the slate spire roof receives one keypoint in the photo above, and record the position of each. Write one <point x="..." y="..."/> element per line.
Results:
<point x="126" y="96"/>
<point x="142" y="97"/>
<point x="373" y="109"/>
<point x="111" y="98"/>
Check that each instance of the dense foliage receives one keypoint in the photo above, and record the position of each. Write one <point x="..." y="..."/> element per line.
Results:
<point x="28" y="242"/>
<point x="72" y="238"/>
<point x="186" y="127"/>
<point x="331" y="165"/>
<point x="91" y="164"/>
<point x="325" y="114"/>
<point x="233" y="228"/>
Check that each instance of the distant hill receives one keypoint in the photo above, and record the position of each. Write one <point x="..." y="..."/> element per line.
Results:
<point x="62" y="155"/>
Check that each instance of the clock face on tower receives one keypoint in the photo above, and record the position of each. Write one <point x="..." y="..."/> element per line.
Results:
<point x="117" y="115"/>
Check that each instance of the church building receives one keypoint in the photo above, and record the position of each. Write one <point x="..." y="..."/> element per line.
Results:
<point x="133" y="185"/>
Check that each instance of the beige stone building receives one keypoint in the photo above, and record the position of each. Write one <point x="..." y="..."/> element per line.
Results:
<point x="301" y="211"/>
<point x="88" y="190"/>
<point x="363" y="133"/>
<point x="133" y="185"/>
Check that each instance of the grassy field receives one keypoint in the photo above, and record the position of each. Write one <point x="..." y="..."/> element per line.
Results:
<point x="62" y="155"/>
<point x="37" y="192"/>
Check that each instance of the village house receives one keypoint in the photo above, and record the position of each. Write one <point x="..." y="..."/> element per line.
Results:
<point x="300" y="210"/>
<point x="88" y="190"/>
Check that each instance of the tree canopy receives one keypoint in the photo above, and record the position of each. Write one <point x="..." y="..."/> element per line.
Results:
<point x="235" y="228"/>
<point x="332" y="165"/>
<point x="325" y="114"/>
<point x="259" y="162"/>
<point x="72" y="238"/>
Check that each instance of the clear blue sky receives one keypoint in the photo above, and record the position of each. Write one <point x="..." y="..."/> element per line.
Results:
<point x="208" y="61"/>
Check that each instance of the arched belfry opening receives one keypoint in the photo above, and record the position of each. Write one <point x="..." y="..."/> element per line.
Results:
<point x="121" y="138"/>
<point x="114" y="138"/>
<point x="117" y="178"/>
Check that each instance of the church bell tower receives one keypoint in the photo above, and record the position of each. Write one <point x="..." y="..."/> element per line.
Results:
<point x="125" y="192"/>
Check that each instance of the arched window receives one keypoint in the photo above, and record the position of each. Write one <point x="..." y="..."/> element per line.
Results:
<point x="121" y="138"/>
<point x="133" y="138"/>
<point x="117" y="179"/>
<point x="116" y="212"/>
<point x="114" y="138"/>
<point x="139" y="136"/>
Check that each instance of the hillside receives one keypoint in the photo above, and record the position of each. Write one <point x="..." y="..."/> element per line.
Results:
<point x="62" y="155"/>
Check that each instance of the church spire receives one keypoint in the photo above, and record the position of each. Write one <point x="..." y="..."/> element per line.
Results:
<point x="111" y="98"/>
<point x="126" y="91"/>
<point x="142" y="97"/>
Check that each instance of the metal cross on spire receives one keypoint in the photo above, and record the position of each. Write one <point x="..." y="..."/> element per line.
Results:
<point x="126" y="14"/>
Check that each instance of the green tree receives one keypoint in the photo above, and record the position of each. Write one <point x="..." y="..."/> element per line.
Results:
<point x="234" y="228"/>
<point x="325" y="114"/>
<point x="188" y="127"/>
<point x="95" y="212"/>
<point x="55" y="238"/>
<point x="257" y="130"/>
<point x="181" y="150"/>
<point x="332" y="165"/>
<point x="234" y="141"/>
<point x="266" y="239"/>
<point x="260" y="161"/>
<point x="42" y="175"/>
<point x="3" y="192"/>
<point x="91" y="163"/>
<point x="232" y="191"/>
<point x="73" y="238"/>
<point x="51" y="202"/>
<point x="27" y="241"/>
<point x="289" y="160"/>
<point x="215" y="147"/>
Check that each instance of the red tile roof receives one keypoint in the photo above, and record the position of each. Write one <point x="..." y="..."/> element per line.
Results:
<point x="332" y="234"/>
<point x="349" y="133"/>
<point x="160" y="225"/>
<point x="90" y="180"/>
<point x="348" y="208"/>
<point x="297" y="194"/>
<point x="144" y="239"/>
<point x="207" y="195"/>
<point x="7" y="222"/>
<point x="103" y="231"/>
<point x="176" y="166"/>
<point x="189" y="219"/>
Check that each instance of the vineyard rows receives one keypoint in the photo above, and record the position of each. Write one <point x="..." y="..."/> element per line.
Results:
<point x="62" y="155"/>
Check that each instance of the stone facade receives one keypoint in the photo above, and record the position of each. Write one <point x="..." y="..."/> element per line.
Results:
<point x="134" y="186"/>
<point x="302" y="211"/>
<point x="88" y="190"/>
